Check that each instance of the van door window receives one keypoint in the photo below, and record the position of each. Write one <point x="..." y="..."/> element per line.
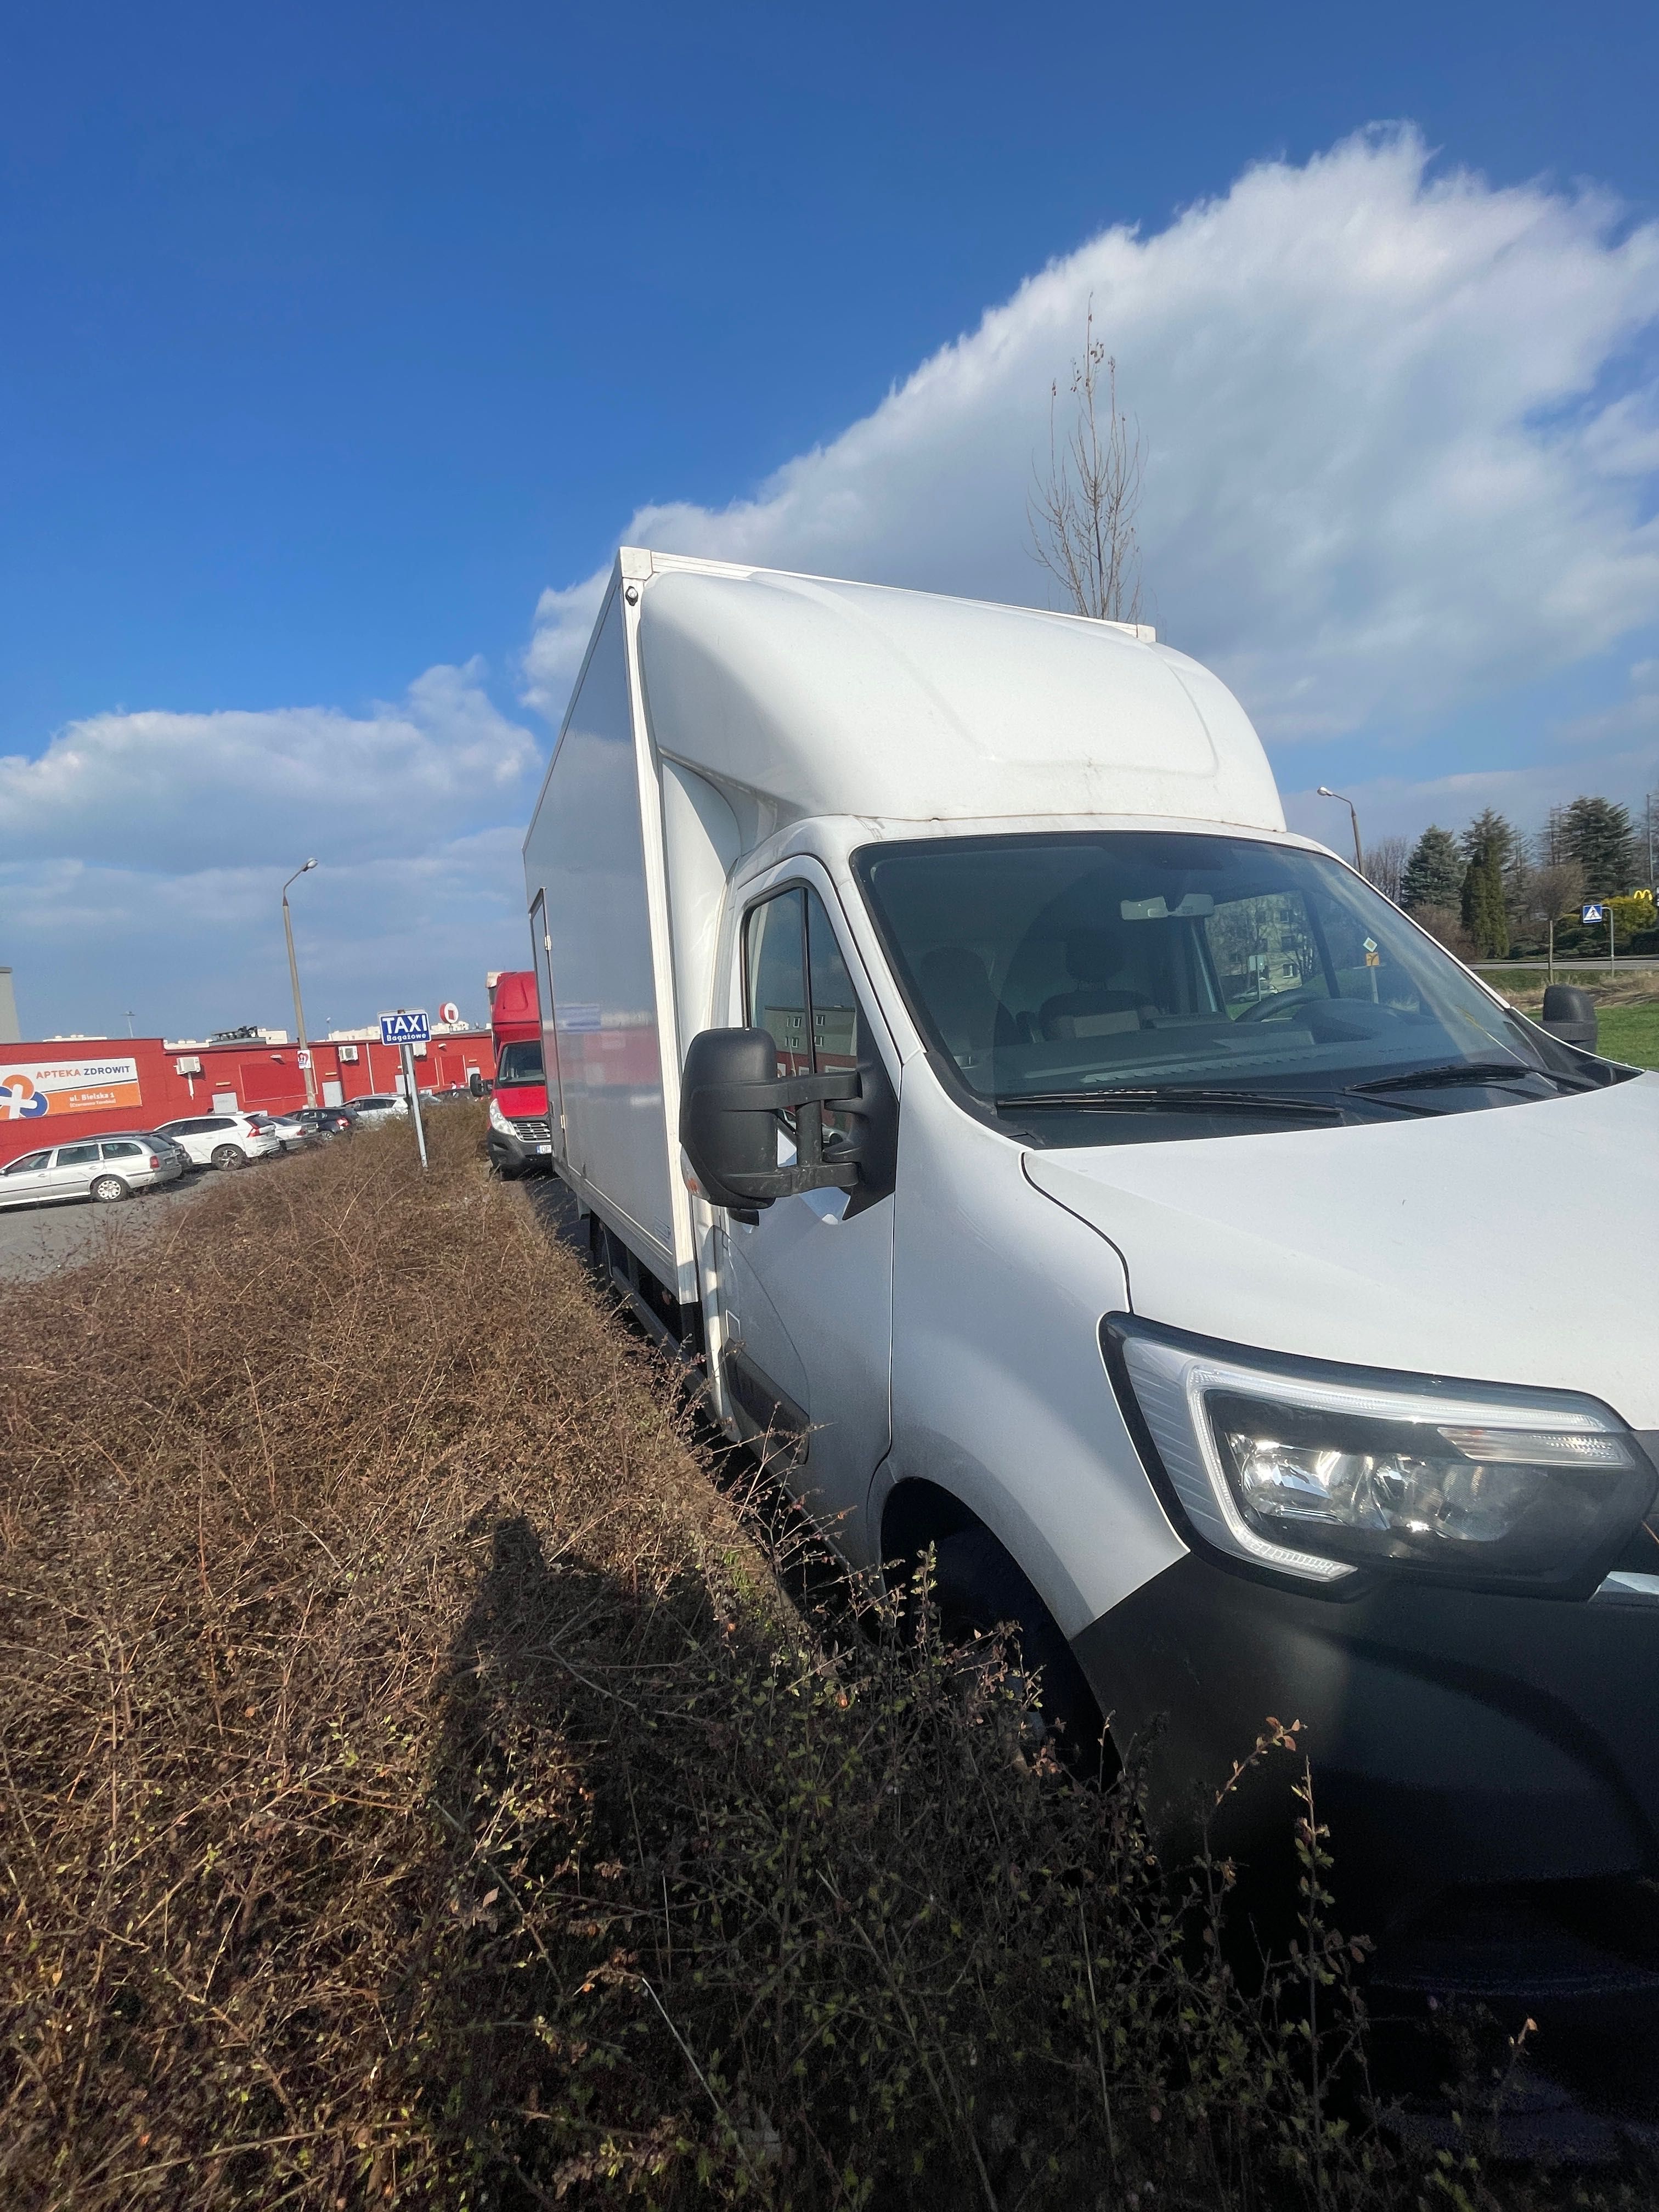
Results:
<point x="836" y="1039"/>
<point x="775" y="967"/>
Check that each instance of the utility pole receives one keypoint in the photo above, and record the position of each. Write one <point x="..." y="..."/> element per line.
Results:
<point x="1358" y="856"/>
<point x="294" y="978"/>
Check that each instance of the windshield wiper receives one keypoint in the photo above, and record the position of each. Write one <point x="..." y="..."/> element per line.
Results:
<point x="1460" y="1070"/>
<point x="1151" y="1098"/>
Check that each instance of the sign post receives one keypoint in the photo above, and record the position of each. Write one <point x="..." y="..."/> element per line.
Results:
<point x="406" y="1029"/>
<point x="1595" y="910"/>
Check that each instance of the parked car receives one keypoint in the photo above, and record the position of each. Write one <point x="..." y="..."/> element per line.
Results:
<point x="158" y="1143"/>
<point x="378" y="1106"/>
<point x="106" y="1169"/>
<point x="223" y="1140"/>
<point x="326" y="1120"/>
<point x="290" y="1129"/>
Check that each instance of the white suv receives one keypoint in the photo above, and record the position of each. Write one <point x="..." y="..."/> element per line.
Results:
<point x="223" y="1140"/>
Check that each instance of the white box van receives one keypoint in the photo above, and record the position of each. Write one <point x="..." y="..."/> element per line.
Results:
<point x="1085" y="1174"/>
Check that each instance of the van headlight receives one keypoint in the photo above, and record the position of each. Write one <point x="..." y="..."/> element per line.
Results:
<point x="1317" y="1471"/>
<point x="498" y="1120"/>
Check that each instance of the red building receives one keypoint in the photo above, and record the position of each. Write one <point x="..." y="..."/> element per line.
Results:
<point x="73" y="1087"/>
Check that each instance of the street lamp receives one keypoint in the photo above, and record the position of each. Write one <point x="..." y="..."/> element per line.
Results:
<point x="294" y="978"/>
<point x="1325" y="792"/>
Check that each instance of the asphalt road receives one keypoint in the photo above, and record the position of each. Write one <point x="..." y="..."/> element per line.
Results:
<point x="35" y="1239"/>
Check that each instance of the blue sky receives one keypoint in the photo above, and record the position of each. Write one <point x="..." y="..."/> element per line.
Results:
<point x="336" y="338"/>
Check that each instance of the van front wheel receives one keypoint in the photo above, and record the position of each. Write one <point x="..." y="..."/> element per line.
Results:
<point x="977" y="1588"/>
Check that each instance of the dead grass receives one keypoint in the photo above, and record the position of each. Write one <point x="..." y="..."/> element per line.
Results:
<point x="417" y="1789"/>
<point x="1625" y="987"/>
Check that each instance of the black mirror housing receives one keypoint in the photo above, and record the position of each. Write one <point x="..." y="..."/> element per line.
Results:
<point x="1570" y="1014"/>
<point x="475" y="1083"/>
<point x="731" y="1095"/>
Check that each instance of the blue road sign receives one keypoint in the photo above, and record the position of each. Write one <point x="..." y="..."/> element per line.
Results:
<point x="1593" y="910"/>
<point x="406" y="1028"/>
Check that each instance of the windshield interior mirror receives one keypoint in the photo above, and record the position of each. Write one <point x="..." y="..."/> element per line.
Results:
<point x="731" y="1096"/>
<point x="1193" y="908"/>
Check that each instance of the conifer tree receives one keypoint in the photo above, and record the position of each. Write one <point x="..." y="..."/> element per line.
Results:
<point x="1599" y="834"/>
<point x="1433" y="875"/>
<point x="1489" y="836"/>
<point x="1484" y="914"/>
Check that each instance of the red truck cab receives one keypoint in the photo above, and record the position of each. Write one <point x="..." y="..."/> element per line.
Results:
<point x="521" y="1138"/>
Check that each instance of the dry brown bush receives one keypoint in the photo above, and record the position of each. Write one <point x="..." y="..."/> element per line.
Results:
<point x="417" y="1789"/>
<point x="1446" y="923"/>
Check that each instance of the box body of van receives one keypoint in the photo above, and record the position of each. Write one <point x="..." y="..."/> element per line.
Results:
<point x="1147" y="1214"/>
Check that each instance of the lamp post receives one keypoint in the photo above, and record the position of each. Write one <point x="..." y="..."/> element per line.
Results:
<point x="294" y="978"/>
<point x="1325" y="792"/>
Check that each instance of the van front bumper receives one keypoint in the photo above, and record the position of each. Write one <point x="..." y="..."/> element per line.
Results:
<point x="1457" y="1741"/>
<point x="528" y="1150"/>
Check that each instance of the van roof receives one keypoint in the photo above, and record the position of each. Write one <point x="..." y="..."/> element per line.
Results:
<point x="818" y="696"/>
<point x="514" y="1005"/>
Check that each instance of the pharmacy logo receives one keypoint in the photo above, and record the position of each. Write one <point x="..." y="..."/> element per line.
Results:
<point x="19" y="1099"/>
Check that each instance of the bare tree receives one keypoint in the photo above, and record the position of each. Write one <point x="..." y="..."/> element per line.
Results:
<point x="1082" y="515"/>
<point x="1385" y="864"/>
<point x="1554" y="888"/>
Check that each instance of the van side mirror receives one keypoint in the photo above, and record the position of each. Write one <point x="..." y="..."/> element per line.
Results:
<point x="731" y="1095"/>
<point x="475" y="1083"/>
<point x="1570" y="1014"/>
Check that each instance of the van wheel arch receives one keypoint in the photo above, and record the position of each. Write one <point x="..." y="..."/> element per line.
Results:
<point x="918" y="1514"/>
<point x="979" y="1583"/>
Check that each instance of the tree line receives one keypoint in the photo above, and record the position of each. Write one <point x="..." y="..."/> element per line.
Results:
<point x="1493" y="888"/>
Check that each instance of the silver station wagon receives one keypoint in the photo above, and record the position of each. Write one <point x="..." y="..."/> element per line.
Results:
<point x="102" y="1168"/>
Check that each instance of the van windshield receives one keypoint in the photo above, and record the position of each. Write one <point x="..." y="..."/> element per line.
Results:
<point x="1105" y="986"/>
<point x="520" y="1062"/>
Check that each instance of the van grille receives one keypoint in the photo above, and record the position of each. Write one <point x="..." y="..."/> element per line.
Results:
<point x="534" y="1128"/>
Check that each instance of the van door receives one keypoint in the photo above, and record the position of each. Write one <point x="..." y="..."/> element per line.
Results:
<point x="807" y="1289"/>
<point x="541" y="943"/>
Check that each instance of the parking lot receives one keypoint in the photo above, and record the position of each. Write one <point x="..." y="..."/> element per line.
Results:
<point x="35" y="1239"/>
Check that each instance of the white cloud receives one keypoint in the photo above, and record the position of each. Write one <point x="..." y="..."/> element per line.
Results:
<point x="189" y="791"/>
<point x="204" y="948"/>
<point x="140" y="858"/>
<point x="1636" y="716"/>
<point x="1400" y="441"/>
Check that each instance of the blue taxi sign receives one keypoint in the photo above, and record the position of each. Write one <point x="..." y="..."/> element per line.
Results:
<point x="406" y="1027"/>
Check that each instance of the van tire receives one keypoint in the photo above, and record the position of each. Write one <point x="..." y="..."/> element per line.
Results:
<point x="229" y="1156"/>
<point x="976" y="1587"/>
<point x="109" y="1189"/>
